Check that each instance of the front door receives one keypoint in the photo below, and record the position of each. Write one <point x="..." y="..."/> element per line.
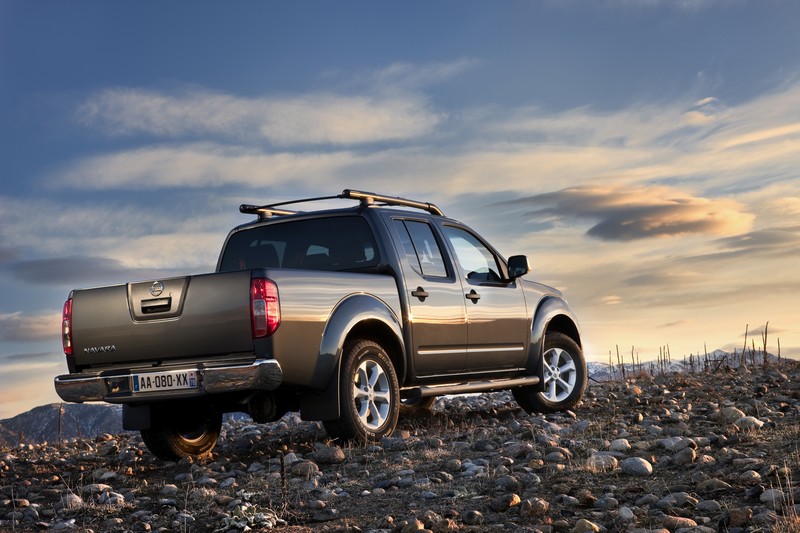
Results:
<point x="497" y="316"/>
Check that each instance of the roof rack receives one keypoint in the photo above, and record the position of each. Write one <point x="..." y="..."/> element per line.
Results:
<point x="265" y="212"/>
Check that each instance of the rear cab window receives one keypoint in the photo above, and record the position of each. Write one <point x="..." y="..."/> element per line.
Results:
<point x="421" y="248"/>
<point x="339" y="243"/>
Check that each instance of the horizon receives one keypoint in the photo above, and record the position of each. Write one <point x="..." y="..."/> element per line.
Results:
<point x="642" y="153"/>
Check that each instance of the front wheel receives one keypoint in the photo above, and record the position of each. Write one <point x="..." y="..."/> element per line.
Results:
<point x="565" y="377"/>
<point x="173" y="440"/>
<point x="369" y="395"/>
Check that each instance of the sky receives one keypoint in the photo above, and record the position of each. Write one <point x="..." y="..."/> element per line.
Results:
<point x="644" y="154"/>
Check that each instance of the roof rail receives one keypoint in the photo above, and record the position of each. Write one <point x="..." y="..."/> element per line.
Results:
<point x="265" y="212"/>
<point x="369" y="198"/>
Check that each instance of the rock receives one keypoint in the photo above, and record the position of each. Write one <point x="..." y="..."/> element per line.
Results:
<point x="585" y="526"/>
<point x="304" y="468"/>
<point x="504" y="503"/>
<point x="534" y="507"/>
<point x="328" y="455"/>
<point x="749" y="423"/>
<point x="619" y="445"/>
<point x="602" y="463"/>
<point x="728" y="415"/>
<point x="684" y="457"/>
<point x="636" y="466"/>
<point x="626" y="514"/>
<point x="773" y="498"/>
<point x="676" y="522"/>
<point x="473" y="518"/>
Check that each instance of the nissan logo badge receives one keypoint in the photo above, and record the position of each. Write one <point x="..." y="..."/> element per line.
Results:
<point x="157" y="288"/>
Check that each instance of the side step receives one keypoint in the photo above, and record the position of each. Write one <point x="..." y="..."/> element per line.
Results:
<point x="473" y="386"/>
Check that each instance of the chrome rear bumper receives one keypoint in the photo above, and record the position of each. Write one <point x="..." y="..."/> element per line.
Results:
<point x="116" y="387"/>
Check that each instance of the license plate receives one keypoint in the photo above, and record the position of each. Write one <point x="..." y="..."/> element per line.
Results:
<point x="158" y="381"/>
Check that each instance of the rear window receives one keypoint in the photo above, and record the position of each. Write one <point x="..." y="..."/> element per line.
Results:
<point x="336" y="243"/>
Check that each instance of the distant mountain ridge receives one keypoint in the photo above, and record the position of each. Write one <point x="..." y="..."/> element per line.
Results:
<point x="41" y="424"/>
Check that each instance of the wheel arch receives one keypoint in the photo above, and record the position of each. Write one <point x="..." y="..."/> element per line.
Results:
<point x="359" y="316"/>
<point x="552" y="315"/>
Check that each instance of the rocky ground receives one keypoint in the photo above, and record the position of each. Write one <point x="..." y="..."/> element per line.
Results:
<point x="681" y="453"/>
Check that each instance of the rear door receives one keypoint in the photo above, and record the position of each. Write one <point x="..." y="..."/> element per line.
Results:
<point x="499" y="323"/>
<point x="436" y="304"/>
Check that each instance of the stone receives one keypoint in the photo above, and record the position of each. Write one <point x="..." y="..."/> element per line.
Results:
<point x="636" y="466"/>
<point x="585" y="526"/>
<point x="749" y="423"/>
<point x="602" y="463"/>
<point x="534" y="507"/>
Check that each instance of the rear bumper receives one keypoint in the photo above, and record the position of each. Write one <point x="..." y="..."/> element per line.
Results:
<point x="116" y="387"/>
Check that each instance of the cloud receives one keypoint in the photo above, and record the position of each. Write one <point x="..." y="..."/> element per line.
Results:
<point x="316" y="118"/>
<point x="626" y="214"/>
<point x="66" y="270"/>
<point x="7" y="254"/>
<point x="782" y="240"/>
<point x="19" y="327"/>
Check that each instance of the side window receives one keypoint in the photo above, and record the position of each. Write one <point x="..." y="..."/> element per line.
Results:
<point x="421" y="248"/>
<point x="477" y="261"/>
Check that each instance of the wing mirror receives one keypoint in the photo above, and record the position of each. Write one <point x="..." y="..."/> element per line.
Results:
<point x="518" y="266"/>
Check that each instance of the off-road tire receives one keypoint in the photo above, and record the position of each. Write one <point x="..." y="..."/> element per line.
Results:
<point x="564" y="377"/>
<point x="171" y="442"/>
<point x="369" y="395"/>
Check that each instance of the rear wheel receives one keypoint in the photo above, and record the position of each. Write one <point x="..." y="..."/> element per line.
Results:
<point x="564" y="378"/>
<point x="369" y="396"/>
<point x="173" y="441"/>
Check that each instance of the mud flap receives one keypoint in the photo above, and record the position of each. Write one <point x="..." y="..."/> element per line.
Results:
<point x="323" y="404"/>
<point x="135" y="417"/>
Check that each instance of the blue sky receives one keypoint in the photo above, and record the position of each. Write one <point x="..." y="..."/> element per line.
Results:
<point x="643" y="153"/>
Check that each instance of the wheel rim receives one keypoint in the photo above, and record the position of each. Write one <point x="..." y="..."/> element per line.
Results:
<point x="372" y="394"/>
<point x="560" y="375"/>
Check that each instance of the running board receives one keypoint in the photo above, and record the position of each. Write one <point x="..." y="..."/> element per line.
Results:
<point x="464" y="388"/>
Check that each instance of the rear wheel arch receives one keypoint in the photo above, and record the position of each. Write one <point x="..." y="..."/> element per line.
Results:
<point x="380" y="333"/>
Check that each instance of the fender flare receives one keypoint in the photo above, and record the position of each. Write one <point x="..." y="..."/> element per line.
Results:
<point x="550" y="308"/>
<point x="321" y="401"/>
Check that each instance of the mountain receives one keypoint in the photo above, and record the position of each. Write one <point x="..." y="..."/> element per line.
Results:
<point x="711" y="361"/>
<point x="41" y="424"/>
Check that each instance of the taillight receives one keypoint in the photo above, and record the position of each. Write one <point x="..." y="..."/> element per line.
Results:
<point x="66" y="327"/>
<point x="265" y="308"/>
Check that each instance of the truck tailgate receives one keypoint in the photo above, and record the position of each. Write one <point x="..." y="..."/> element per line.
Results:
<point x="160" y="320"/>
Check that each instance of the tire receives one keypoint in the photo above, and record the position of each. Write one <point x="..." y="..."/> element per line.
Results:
<point x="369" y="396"/>
<point x="564" y="379"/>
<point x="412" y="406"/>
<point x="170" y="443"/>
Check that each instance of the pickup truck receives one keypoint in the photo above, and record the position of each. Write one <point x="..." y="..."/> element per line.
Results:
<point x="350" y="315"/>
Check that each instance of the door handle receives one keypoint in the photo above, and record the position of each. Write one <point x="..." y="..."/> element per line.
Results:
<point x="420" y="293"/>
<point x="474" y="296"/>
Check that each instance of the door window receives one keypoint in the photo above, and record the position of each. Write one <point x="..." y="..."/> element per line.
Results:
<point x="477" y="261"/>
<point x="421" y="247"/>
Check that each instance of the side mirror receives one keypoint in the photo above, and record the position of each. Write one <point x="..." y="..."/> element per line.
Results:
<point x="518" y="266"/>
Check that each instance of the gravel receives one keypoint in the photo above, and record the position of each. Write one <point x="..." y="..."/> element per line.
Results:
<point x="678" y="453"/>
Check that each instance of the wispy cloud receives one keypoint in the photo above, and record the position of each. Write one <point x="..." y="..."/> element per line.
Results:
<point x="19" y="327"/>
<point x="636" y="213"/>
<point x="320" y="118"/>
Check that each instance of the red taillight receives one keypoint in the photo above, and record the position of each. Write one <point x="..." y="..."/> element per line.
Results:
<point x="265" y="309"/>
<point x="66" y="327"/>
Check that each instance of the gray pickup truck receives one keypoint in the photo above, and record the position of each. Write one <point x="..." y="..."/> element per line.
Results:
<point x="349" y="315"/>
